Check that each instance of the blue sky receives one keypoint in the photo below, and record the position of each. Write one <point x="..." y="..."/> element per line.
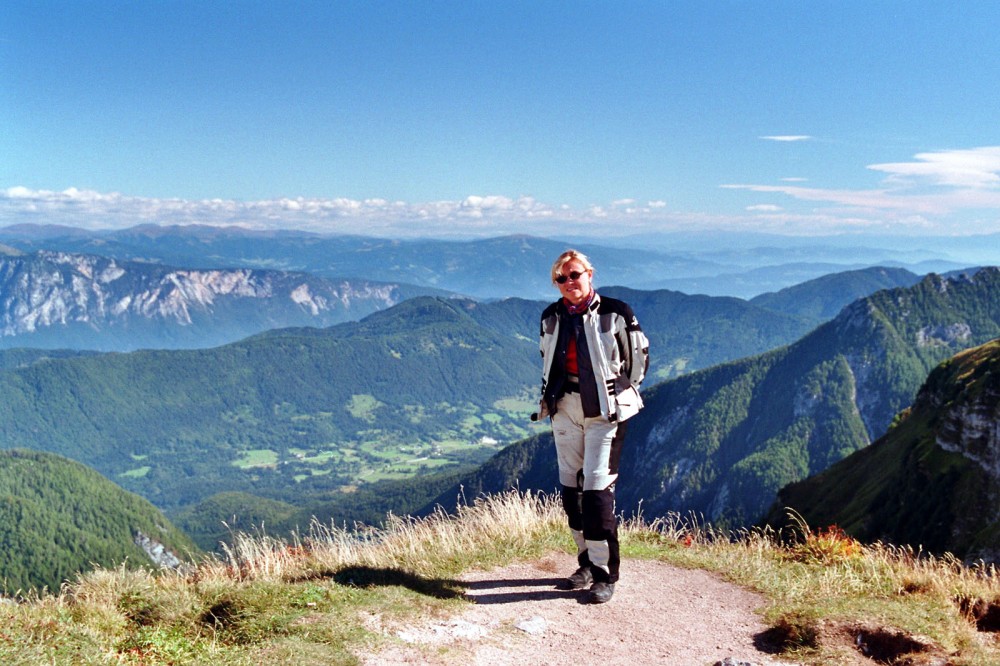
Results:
<point x="482" y="118"/>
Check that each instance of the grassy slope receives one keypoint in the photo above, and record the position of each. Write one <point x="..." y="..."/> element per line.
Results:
<point x="306" y="603"/>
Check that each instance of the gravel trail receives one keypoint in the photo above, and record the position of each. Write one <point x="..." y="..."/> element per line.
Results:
<point x="660" y="614"/>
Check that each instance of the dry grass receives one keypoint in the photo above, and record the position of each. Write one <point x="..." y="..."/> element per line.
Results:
<point x="828" y="591"/>
<point x="305" y="600"/>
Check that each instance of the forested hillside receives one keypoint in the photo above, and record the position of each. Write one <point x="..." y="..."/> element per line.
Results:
<point x="58" y="517"/>
<point x="722" y="442"/>
<point x="429" y="385"/>
<point x="932" y="480"/>
<point x="285" y="414"/>
<point x="688" y="333"/>
<point x="822" y="298"/>
<point x="12" y="359"/>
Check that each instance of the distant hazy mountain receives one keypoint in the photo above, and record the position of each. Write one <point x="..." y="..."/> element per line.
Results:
<point x="58" y="517"/>
<point x="719" y="264"/>
<point x="689" y="333"/>
<point x="58" y="300"/>
<point x="721" y="442"/>
<point x="490" y="268"/>
<point x="933" y="480"/>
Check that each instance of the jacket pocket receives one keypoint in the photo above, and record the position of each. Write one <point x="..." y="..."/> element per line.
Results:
<point x="628" y="403"/>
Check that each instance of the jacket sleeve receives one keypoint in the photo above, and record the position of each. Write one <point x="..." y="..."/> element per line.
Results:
<point x="543" y="407"/>
<point x="636" y="347"/>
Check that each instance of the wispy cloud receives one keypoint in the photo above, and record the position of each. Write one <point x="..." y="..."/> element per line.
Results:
<point x="787" y="137"/>
<point x="971" y="168"/>
<point x="475" y="215"/>
<point x="950" y="191"/>
<point x="936" y="188"/>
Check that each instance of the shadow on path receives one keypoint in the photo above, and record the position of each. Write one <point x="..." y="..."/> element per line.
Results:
<point x="498" y="591"/>
<point x="480" y="591"/>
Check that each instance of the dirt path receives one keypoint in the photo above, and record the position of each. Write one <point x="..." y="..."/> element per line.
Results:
<point x="660" y="614"/>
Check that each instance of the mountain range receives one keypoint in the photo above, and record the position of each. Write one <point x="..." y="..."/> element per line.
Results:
<point x="426" y="385"/>
<point x="761" y="392"/>
<point x="506" y="266"/>
<point x="723" y="441"/>
<point x="76" y="301"/>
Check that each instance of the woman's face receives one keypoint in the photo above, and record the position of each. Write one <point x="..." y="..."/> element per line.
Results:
<point x="575" y="291"/>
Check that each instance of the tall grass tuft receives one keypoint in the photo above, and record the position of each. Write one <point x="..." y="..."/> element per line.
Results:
<point x="310" y="598"/>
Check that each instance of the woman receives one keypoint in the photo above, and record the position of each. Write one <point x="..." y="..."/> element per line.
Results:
<point x="594" y="356"/>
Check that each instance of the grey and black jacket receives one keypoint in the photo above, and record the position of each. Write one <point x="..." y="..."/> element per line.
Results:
<point x="618" y="350"/>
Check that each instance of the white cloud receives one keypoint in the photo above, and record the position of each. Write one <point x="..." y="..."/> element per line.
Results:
<point x="952" y="191"/>
<point x="971" y="168"/>
<point x="966" y="199"/>
<point x="787" y="137"/>
<point x="476" y="215"/>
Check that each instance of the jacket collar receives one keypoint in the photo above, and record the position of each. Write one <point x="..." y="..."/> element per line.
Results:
<point x="583" y="307"/>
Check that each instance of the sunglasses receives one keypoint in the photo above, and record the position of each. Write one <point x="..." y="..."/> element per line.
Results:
<point x="573" y="275"/>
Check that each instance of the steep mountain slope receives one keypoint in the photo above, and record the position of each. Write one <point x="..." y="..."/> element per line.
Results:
<point x="723" y="441"/>
<point x="933" y="480"/>
<point x="823" y="298"/>
<point x="58" y="517"/>
<point x="58" y="300"/>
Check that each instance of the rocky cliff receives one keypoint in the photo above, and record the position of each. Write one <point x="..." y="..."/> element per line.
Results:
<point x="933" y="480"/>
<point x="56" y="299"/>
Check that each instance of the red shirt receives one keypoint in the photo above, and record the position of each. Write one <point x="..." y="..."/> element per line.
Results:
<point x="571" y="367"/>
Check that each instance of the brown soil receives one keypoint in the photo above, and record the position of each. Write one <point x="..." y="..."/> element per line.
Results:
<point x="660" y="614"/>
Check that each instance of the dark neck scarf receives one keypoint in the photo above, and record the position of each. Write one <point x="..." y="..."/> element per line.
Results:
<point x="582" y="307"/>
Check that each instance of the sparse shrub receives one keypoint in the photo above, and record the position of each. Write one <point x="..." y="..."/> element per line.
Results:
<point x="828" y="545"/>
<point x="793" y="631"/>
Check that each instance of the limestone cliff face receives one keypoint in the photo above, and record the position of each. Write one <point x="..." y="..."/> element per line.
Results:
<point x="970" y="422"/>
<point x="60" y="299"/>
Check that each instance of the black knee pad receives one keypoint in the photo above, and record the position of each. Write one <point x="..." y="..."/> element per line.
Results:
<point x="572" y="501"/>
<point x="599" y="522"/>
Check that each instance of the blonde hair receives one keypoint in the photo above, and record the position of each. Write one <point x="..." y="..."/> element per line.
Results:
<point x="568" y="256"/>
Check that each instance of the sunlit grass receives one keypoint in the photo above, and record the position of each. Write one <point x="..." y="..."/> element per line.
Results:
<point x="310" y="599"/>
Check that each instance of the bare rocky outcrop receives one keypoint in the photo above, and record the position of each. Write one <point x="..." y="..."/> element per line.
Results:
<point x="156" y="551"/>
